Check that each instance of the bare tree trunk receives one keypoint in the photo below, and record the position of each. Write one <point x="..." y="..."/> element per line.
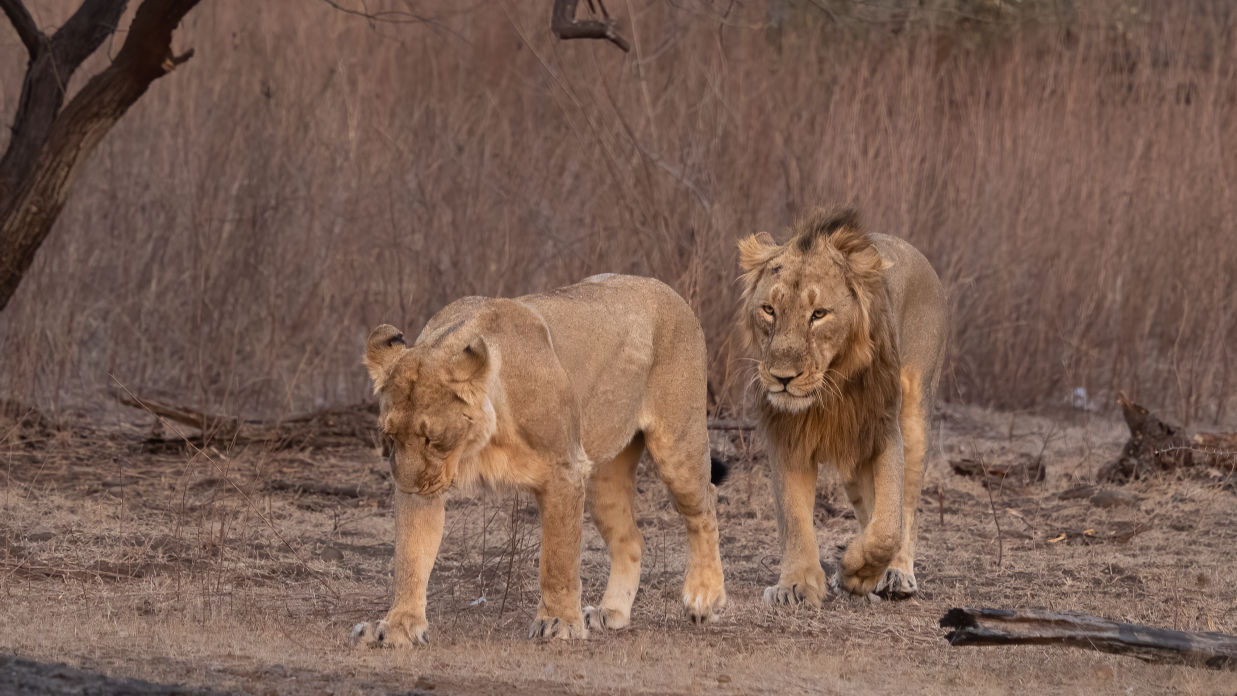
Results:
<point x="48" y="145"/>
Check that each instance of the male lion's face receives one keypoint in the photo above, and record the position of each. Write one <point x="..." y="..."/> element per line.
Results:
<point x="806" y="313"/>
<point x="433" y="406"/>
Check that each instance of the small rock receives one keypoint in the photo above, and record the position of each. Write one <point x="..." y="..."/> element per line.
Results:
<point x="1111" y="499"/>
<point x="723" y="679"/>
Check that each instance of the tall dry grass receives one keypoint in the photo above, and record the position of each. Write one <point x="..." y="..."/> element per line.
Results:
<point x="310" y="174"/>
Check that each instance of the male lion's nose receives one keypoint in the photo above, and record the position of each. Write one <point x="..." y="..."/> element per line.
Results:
<point x="784" y="378"/>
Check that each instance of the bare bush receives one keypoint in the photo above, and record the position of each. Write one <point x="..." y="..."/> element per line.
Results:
<point x="1068" y="177"/>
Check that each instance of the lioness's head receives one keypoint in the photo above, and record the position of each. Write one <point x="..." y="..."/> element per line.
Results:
<point x="807" y="306"/>
<point x="434" y="408"/>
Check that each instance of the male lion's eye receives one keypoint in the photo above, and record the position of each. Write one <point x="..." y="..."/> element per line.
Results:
<point x="820" y="314"/>
<point x="767" y="309"/>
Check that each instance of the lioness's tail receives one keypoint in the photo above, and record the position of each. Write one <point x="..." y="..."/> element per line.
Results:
<point x="718" y="471"/>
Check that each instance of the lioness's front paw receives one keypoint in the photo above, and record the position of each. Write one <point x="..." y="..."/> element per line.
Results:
<point x="554" y="627"/>
<point x="703" y="599"/>
<point x="897" y="584"/>
<point x="606" y="619"/>
<point x="808" y="587"/>
<point x="400" y="633"/>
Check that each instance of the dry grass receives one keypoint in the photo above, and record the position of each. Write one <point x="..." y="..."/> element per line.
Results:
<point x="191" y="568"/>
<point x="310" y="174"/>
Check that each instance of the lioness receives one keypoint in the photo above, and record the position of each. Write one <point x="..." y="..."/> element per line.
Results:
<point x="558" y="394"/>
<point x="850" y="332"/>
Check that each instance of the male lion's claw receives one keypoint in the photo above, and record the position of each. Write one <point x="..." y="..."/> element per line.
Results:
<point x="605" y="619"/>
<point x="384" y="635"/>
<point x="895" y="584"/>
<point x="594" y="618"/>
<point x="554" y="627"/>
<point x="796" y="593"/>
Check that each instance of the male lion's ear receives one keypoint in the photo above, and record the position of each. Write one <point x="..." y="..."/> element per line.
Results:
<point x="384" y="345"/>
<point x="756" y="250"/>
<point x="472" y="362"/>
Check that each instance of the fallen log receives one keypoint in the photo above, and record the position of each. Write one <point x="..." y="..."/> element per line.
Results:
<point x="1024" y="470"/>
<point x="1043" y="627"/>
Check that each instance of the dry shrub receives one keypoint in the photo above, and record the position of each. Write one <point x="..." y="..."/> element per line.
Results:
<point x="310" y="174"/>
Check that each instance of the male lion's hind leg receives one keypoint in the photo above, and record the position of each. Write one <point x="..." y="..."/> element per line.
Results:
<point x="802" y="579"/>
<point x="684" y="464"/>
<point x="611" y="493"/>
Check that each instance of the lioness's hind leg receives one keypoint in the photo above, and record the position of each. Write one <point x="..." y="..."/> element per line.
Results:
<point x="683" y="462"/>
<point x="899" y="580"/>
<point x="611" y="493"/>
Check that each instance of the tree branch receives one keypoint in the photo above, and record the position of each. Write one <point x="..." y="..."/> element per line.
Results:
<point x="85" y="31"/>
<point x="565" y="26"/>
<point x="24" y="24"/>
<point x="50" y="145"/>
<point x="47" y="75"/>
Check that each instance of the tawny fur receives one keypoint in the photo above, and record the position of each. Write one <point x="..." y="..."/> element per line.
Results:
<point x="558" y="394"/>
<point x="849" y="330"/>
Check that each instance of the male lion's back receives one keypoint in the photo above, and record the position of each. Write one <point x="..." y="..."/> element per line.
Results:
<point x="919" y="304"/>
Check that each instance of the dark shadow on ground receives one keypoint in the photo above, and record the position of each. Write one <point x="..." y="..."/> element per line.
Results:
<point x="22" y="677"/>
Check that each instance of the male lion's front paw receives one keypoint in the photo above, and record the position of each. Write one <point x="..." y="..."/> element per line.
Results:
<point x="897" y="584"/>
<point x="806" y="587"/>
<point x="400" y="633"/>
<point x="554" y="627"/>
<point x="860" y="572"/>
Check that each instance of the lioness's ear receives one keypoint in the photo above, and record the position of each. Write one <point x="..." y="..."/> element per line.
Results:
<point x="756" y="250"/>
<point x="384" y="345"/>
<point x="473" y="361"/>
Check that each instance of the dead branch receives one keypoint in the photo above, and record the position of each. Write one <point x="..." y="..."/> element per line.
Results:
<point x="565" y="26"/>
<point x="722" y="424"/>
<point x="334" y="427"/>
<point x="1043" y="627"/>
<point x="24" y="25"/>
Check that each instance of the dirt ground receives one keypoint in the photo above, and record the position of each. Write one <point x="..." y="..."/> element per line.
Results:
<point x="242" y="570"/>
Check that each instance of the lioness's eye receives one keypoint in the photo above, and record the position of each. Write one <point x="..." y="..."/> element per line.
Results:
<point x="767" y="309"/>
<point x="819" y="314"/>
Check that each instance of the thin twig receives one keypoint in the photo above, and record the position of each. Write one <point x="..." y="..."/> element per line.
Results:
<point x="1000" y="540"/>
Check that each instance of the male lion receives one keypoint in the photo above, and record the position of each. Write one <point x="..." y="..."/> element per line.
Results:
<point x="850" y="330"/>
<point x="558" y="394"/>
